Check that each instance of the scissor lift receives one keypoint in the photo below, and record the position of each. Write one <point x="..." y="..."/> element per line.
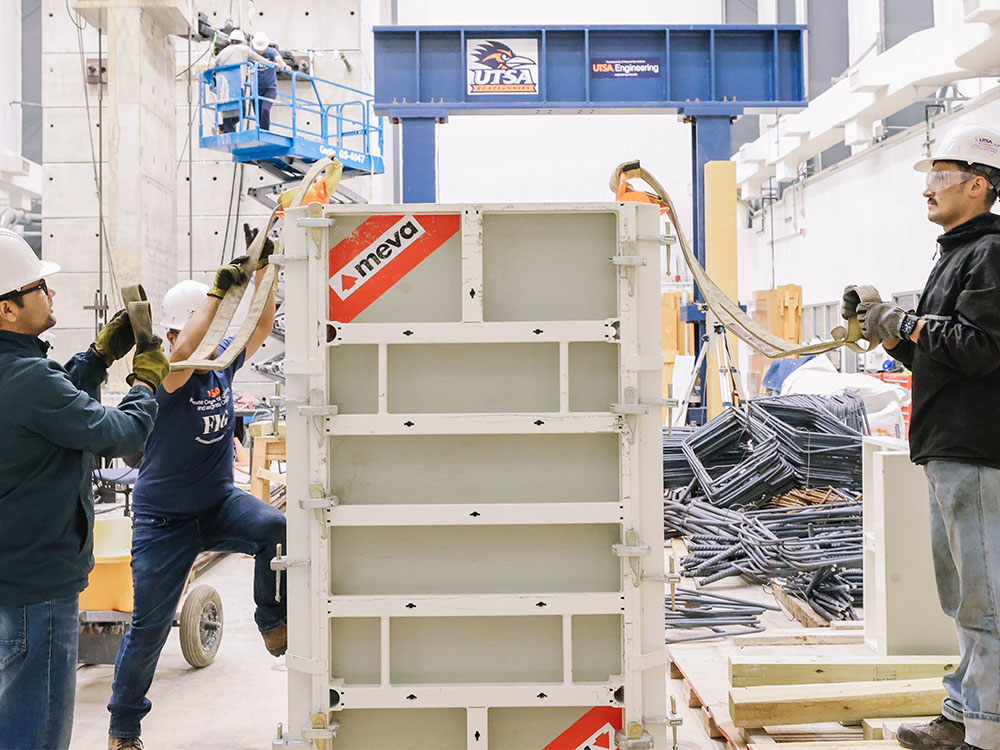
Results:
<point x="310" y="119"/>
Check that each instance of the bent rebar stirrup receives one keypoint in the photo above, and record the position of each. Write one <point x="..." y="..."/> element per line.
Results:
<point x="204" y="357"/>
<point x="728" y="312"/>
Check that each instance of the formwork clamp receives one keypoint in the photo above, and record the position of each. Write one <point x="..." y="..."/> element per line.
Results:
<point x="633" y="550"/>
<point x="282" y="562"/>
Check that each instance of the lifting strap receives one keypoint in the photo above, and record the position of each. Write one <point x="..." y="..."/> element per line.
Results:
<point x="204" y="357"/>
<point x="725" y="310"/>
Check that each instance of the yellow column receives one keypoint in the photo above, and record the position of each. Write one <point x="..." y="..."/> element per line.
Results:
<point x="720" y="257"/>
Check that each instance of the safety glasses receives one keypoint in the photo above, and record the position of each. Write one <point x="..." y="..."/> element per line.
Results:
<point x="943" y="180"/>
<point x="40" y="285"/>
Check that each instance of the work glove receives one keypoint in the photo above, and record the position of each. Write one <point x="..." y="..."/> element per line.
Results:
<point x="149" y="364"/>
<point x="115" y="339"/>
<point x="227" y="275"/>
<point x="853" y="296"/>
<point x="265" y="251"/>
<point x="880" y="320"/>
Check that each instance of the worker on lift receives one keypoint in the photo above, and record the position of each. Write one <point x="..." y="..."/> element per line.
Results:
<point x="952" y="345"/>
<point x="185" y="502"/>
<point x="229" y="83"/>
<point x="267" y="78"/>
<point x="53" y="424"/>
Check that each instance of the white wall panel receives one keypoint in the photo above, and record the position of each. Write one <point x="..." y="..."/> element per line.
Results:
<point x="863" y="221"/>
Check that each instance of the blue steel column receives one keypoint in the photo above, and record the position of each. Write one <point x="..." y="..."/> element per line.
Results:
<point x="419" y="159"/>
<point x="710" y="141"/>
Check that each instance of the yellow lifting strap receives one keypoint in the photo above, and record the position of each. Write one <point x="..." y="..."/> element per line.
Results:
<point x="204" y="357"/>
<point x="728" y="312"/>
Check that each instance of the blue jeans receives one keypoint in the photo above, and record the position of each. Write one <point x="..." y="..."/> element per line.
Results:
<point x="163" y="551"/>
<point x="965" y="536"/>
<point x="38" y="647"/>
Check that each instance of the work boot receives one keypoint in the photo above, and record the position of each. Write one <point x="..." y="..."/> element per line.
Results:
<point x="276" y="640"/>
<point x="124" y="743"/>
<point x="939" y="734"/>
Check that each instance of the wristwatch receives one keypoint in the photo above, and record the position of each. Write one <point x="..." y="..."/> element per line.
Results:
<point x="908" y="325"/>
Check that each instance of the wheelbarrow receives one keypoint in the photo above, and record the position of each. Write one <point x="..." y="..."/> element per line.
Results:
<point x="106" y="603"/>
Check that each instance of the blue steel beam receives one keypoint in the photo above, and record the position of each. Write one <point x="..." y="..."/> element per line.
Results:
<point x="731" y="68"/>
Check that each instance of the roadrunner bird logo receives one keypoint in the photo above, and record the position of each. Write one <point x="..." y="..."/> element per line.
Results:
<point x="499" y="56"/>
<point x="502" y="66"/>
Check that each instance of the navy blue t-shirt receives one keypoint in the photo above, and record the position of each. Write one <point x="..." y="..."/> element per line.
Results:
<point x="188" y="465"/>
<point x="267" y="77"/>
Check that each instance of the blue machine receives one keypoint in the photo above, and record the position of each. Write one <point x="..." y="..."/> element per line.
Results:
<point x="318" y="118"/>
<point x="709" y="74"/>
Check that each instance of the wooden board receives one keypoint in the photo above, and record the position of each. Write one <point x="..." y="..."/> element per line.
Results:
<point x="811" y="637"/>
<point x="847" y="624"/>
<point x="798" y="608"/>
<point x="748" y="671"/>
<point x="798" y="704"/>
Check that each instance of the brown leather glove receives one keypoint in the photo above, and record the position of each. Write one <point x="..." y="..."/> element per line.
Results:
<point x="149" y="364"/>
<point x="115" y="339"/>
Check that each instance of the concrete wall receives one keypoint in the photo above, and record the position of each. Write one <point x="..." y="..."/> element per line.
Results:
<point x="69" y="192"/>
<point x="152" y="225"/>
<point x="10" y="77"/>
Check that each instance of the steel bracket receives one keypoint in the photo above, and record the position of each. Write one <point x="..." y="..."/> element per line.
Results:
<point x="629" y="409"/>
<point x="319" y="503"/>
<point x="329" y="410"/>
<point x="279" y="258"/>
<point x="628" y="260"/>
<point x="314" y="223"/>
<point x="321" y="734"/>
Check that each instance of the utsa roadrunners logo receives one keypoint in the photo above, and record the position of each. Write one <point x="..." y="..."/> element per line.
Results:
<point x="502" y="66"/>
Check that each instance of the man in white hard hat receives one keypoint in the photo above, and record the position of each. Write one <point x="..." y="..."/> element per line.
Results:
<point x="52" y="425"/>
<point x="185" y="502"/>
<point x="267" y="77"/>
<point x="229" y="83"/>
<point x="952" y="345"/>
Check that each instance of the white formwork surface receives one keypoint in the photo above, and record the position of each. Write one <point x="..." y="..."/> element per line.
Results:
<point x="475" y="521"/>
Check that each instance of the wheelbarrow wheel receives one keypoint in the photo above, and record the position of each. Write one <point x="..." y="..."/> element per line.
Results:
<point x="201" y="626"/>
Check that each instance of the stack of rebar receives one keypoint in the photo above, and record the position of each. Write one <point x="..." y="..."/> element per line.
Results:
<point x="823" y="450"/>
<point x="676" y="470"/>
<point x="738" y="461"/>
<point x="814" y="552"/>
<point x="689" y="609"/>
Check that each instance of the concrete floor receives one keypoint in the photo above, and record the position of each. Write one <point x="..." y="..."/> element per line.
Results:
<point x="234" y="703"/>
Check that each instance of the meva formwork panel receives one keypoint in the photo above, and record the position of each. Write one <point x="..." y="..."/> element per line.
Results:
<point x="475" y="503"/>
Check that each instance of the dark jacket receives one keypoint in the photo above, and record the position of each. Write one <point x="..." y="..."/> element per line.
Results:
<point x="956" y="360"/>
<point x="51" y="426"/>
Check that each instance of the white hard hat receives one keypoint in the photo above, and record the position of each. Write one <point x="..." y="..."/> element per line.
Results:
<point x="972" y="144"/>
<point x="237" y="35"/>
<point x="19" y="263"/>
<point x="260" y="41"/>
<point x="180" y="302"/>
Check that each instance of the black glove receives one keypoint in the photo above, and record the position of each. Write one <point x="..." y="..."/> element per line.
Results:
<point x="265" y="251"/>
<point x="227" y="275"/>
<point x="150" y="364"/>
<point x="115" y="339"/>
<point x="853" y="296"/>
<point x="880" y="320"/>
